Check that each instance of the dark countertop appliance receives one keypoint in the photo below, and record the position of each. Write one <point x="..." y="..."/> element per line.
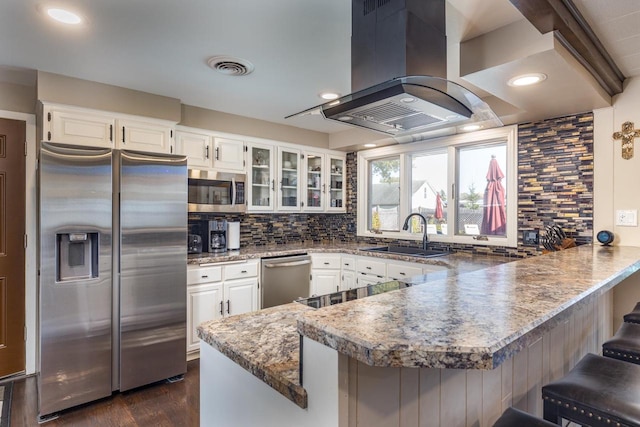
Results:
<point x="194" y="244"/>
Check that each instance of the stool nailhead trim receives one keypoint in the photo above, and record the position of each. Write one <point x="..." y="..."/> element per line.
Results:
<point x="575" y="408"/>
<point x="617" y="353"/>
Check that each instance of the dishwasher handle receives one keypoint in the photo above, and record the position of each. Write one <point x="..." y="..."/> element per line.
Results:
<point x="288" y="264"/>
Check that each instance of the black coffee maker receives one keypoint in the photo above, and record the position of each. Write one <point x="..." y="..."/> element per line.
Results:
<point x="217" y="236"/>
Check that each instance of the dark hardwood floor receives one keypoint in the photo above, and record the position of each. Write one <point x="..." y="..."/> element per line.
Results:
<point x="161" y="404"/>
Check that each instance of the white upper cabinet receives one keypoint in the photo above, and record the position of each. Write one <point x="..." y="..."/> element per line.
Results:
<point x="261" y="177"/>
<point x="79" y="126"/>
<point x="288" y="179"/>
<point x="228" y="154"/>
<point x="197" y="148"/>
<point x="144" y="136"/>
<point x="316" y="186"/>
<point x="324" y="182"/>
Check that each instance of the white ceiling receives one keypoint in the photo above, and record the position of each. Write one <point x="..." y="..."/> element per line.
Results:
<point x="299" y="49"/>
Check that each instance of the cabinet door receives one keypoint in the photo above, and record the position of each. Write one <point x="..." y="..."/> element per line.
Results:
<point x="144" y="136"/>
<point x="261" y="178"/>
<point x="335" y="183"/>
<point x="366" y="279"/>
<point x="289" y="183"/>
<point x="348" y="280"/>
<point x="228" y="154"/>
<point x="204" y="302"/>
<point x="316" y="187"/>
<point x="325" y="281"/>
<point x="241" y="296"/>
<point x="78" y="128"/>
<point x="197" y="148"/>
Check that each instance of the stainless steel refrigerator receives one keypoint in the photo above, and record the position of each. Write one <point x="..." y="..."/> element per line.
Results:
<point x="112" y="263"/>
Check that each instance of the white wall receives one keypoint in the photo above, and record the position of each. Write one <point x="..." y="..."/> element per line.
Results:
<point x="30" y="224"/>
<point x="617" y="181"/>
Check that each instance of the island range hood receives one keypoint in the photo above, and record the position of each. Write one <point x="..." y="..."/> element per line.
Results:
<point x="398" y="75"/>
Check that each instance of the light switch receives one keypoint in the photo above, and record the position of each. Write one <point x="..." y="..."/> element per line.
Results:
<point x="627" y="218"/>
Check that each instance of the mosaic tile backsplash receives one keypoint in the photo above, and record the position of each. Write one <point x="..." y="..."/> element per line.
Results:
<point x="555" y="186"/>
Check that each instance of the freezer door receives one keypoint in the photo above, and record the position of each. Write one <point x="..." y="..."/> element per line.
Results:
<point x="75" y="276"/>
<point x="153" y="267"/>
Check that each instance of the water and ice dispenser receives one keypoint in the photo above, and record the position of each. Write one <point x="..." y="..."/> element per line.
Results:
<point x="76" y="256"/>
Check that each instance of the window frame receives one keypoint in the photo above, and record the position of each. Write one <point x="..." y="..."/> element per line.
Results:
<point x="506" y="134"/>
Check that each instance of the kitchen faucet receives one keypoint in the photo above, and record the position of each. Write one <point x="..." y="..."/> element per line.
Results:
<point x="405" y="227"/>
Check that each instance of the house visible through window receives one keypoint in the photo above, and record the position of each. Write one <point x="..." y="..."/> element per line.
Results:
<point x="464" y="186"/>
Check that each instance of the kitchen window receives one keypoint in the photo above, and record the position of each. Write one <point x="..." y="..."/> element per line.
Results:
<point x="464" y="185"/>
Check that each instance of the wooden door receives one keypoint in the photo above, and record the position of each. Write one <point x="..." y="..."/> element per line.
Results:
<point x="12" y="230"/>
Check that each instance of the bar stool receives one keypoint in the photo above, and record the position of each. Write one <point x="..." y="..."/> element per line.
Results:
<point x="634" y="316"/>
<point x="513" y="417"/>
<point x="598" y="392"/>
<point x="625" y="344"/>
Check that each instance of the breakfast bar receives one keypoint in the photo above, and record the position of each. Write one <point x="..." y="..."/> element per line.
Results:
<point x="452" y="351"/>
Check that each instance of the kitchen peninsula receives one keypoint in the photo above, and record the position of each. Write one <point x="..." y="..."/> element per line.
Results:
<point x="452" y="351"/>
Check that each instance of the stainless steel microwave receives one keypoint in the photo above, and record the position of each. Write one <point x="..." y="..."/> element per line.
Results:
<point x="211" y="191"/>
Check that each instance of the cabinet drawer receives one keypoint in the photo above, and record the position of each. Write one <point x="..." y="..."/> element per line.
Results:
<point x="369" y="266"/>
<point x="196" y="275"/>
<point x="349" y="263"/>
<point x="239" y="271"/>
<point x="326" y="262"/>
<point x="399" y="271"/>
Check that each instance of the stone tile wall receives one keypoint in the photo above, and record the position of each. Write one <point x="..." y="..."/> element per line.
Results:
<point x="555" y="186"/>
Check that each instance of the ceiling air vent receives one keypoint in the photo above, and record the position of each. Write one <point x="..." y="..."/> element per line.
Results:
<point x="230" y="65"/>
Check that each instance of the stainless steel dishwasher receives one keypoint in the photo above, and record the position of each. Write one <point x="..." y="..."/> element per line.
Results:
<point x="285" y="279"/>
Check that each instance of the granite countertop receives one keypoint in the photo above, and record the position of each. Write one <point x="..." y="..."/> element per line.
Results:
<point x="264" y="343"/>
<point x="460" y="262"/>
<point x="474" y="320"/>
<point x="468" y="319"/>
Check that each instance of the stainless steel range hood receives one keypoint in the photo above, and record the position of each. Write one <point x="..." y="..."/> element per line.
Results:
<point x="398" y="70"/>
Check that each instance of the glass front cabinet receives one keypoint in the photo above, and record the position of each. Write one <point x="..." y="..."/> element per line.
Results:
<point x="324" y="180"/>
<point x="315" y="182"/>
<point x="261" y="178"/>
<point x="289" y="186"/>
<point x="336" y="200"/>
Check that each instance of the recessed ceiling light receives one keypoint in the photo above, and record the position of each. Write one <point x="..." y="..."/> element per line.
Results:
<point x="407" y="99"/>
<point x="345" y="118"/>
<point x="527" y="79"/>
<point x="64" y="16"/>
<point x="329" y="95"/>
<point x="470" y="128"/>
<point x="369" y="145"/>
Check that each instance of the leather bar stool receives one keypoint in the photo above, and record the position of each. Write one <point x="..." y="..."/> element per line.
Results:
<point x="634" y="316"/>
<point x="598" y="392"/>
<point x="625" y="344"/>
<point x="513" y="417"/>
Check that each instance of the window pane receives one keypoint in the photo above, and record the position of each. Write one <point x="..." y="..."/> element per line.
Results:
<point x="384" y="194"/>
<point x="429" y="191"/>
<point x="481" y="188"/>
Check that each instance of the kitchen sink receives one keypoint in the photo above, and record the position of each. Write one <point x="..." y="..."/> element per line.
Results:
<point x="403" y="250"/>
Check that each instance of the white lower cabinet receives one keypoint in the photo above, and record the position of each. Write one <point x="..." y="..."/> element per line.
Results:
<point x="219" y="290"/>
<point x="240" y="296"/>
<point x="204" y="302"/>
<point x="325" y="273"/>
<point x="348" y="280"/>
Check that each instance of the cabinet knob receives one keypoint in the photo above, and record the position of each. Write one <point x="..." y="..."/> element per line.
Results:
<point x="205" y="277"/>
<point x="243" y="272"/>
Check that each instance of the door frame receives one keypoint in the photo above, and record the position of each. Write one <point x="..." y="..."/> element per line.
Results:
<point x="30" y="265"/>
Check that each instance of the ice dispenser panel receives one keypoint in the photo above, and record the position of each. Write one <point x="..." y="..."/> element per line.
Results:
<point x="77" y="256"/>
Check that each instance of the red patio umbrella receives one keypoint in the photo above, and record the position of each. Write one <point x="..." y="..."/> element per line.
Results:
<point x="438" y="214"/>
<point x="494" y="216"/>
